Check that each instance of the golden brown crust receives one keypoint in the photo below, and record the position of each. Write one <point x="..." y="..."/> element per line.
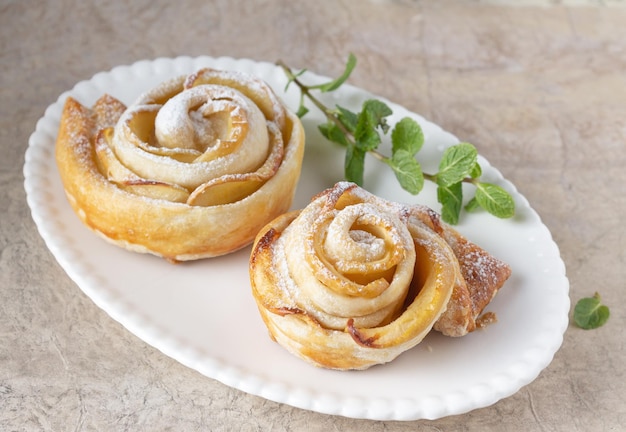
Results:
<point x="149" y="196"/>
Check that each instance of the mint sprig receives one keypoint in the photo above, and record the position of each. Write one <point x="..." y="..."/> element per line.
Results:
<point x="362" y="132"/>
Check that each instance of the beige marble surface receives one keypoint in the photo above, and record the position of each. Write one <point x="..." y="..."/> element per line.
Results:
<point x="539" y="87"/>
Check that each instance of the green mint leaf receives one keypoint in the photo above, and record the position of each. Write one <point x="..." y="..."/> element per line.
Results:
<point x="472" y="205"/>
<point x="451" y="200"/>
<point x="367" y="140"/>
<point x="302" y="110"/>
<point x="476" y="171"/>
<point x="371" y="117"/>
<point x="590" y="313"/>
<point x="456" y="163"/>
<point x="373" y="113"/>
<point x="336" y="83"/>
<point x="495" y="200"/>
<point x="348" y="118"/>
<point x="407" y="135"/>
<point x="407" y="170"/>
<point x="354" y="165"/>
<point x="333" y="134"/>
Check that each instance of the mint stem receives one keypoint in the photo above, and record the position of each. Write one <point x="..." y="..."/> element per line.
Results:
<point x="331" y="116"/>
<point x="306" y="91"/>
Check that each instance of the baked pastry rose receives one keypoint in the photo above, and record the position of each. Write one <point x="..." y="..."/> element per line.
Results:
<point x="354" y="280"/>
<point x="193" y="169"/>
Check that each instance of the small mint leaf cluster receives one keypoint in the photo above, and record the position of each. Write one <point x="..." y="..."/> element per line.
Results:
<point x="458" y="165"/>
<point x="362" y="132"/>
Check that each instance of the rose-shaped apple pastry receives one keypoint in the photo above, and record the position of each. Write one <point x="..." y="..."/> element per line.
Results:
<point x="352" y="280"/>
<point x="192" y="169"/>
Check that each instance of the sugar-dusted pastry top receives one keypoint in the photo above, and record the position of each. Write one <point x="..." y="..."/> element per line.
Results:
<point x="192" y="169"/>
<point x="353" y="280"/>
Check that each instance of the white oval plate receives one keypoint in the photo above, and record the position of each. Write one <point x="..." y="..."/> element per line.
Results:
<point x="203" y="315"/>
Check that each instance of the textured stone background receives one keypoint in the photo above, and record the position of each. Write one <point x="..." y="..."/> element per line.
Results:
<point x="539" y="86"/>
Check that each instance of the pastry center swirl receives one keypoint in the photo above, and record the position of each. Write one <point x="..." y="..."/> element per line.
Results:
<point x="358" y="262"/>
<point x="217" y="129"/>
<point x="213" y="121"/>
<point x="360" y="240"/>
<point x="203" y="145"/>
